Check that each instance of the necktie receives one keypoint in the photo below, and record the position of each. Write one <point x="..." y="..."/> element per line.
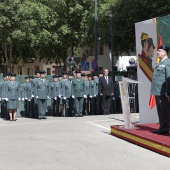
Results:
<point x="107" y="79"/>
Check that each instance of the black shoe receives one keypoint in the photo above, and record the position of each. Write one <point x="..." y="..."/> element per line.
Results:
<point x="159" y="132"/>
<point x="44" y="117"/>
<point x="14" y="119"/>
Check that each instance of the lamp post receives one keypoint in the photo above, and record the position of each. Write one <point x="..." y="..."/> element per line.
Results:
<point x="95" y="31"/>
<point x="110" y="14"/>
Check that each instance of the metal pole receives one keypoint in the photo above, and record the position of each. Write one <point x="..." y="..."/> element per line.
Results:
<point x="95" y="31"/>
<point x="112" y="44"/>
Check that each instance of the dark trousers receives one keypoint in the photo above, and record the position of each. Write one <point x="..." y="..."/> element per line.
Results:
<point x="55" y="107"/>
<point x="4" y="110"/>
<point x="69" y="106"/>
<point x="32" y="114"/>
<point x="163" y="109"/>
<point x="36" y="107"/>
<point x="106" y="104"/>
<point x="92" y="105"/>
<point x="86" y="106"/>
<point x="78" y="103"/>
<point x="42" y="106"/>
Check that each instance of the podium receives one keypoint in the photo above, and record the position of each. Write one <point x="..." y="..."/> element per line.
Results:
<point x="125" y="90"/>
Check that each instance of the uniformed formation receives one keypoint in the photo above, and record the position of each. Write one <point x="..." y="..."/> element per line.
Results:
<point x="70" y="94"/>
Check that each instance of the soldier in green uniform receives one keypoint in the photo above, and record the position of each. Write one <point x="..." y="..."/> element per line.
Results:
<point x="96" y="92"/>
<point x="92" y="95"/>
<point x="78" y="94"/>
<point x="34" y="99"/>
<point x="54" y="95"/>
<point x="24" y="95"/>
<point x="4" y="111"/>
<point x="99" y="102"/>
<point x="86" y="96"/>
<point x="159" y="88"/>
<point x="13" y="97"/>
<point x="42" y="91"/>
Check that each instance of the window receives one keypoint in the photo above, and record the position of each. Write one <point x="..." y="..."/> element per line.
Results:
<point x="48" y="71"/>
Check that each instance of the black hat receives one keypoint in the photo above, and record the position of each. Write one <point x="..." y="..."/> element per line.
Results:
<point x="64" y="73"/>
<point x="27" y="77"/>
<point x="31" y="77"/>
<point x="4" y="75"/>
<point x="70" y="74"/>
<point x="100" y="72"/>
<point x="13" y="74"/>
<point x="165" y="48"/>
<point x="55" y="76"/>
<point x="60" y="75"/>
<point x="82" y="74"/>
<point x="95" y="74"/>
<point x="89" y="75"/>
<point x="8" y="74"/>
<point x="42" y="72"/>
<point x="77" y="72"/>
<point x="37" y="71"/>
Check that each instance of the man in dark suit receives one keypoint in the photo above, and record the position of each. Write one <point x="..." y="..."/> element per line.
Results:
<point x="106" y="90"/>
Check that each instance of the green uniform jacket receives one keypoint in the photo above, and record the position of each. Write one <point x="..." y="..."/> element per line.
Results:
<point x="161" y="72"/>
<point x="78" y="87"/>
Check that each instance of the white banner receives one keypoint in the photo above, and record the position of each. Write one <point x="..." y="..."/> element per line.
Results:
<point x="146" y="50"/>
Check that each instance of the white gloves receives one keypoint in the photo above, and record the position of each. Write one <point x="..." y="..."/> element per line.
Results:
<point x="90" y="96"/>
<point x="32" y="95"/>
<point x="64" y="98"/>
<point x="55" y="98"/>
<point x="85" y="96"/>
<point x="23" y="99"/>
<point x="94" y="95"/>
<point x="73" y="96"/>
<point x="59" y="96"/>
<point x="19" y="98"/>
<point x="36" y="97"/>
<point x="6" y="99"/>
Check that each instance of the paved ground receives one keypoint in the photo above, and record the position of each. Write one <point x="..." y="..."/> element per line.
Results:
<point x="81" y="143"/>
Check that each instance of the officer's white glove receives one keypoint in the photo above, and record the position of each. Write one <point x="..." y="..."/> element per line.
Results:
<point x="29" y="100"/>
<point x="55" y="98"/>
<point x="32" y="95"/>
<point x="59" y="96"/>
<point x="3" y="98"/>
<point x="73" y="96"/>
<point x="23" y="99"/>
<point x="0" y="99"/>
<point x="90" y="96"/>
<point x="94" y="95"/>
<point x="85" y="96"/>
<point x="19" y="98"/>
<point x="48" y="97"/>
<point x="36" y="97"/>
<point x="64" y="98"/>
<point x="26" y="98"/>
<point x="6" y="99"/>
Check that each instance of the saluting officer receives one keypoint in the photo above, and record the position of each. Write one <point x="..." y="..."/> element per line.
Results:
<point x="78" y="94"/>
<point x="54" y="95"/>
<point x="13" y="97"/>
<point x="42" y="91"/>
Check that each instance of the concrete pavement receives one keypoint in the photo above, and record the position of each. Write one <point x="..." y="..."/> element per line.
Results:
<point x="68" y="143"/>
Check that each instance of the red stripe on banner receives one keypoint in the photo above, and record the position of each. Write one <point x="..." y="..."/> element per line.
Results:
<point x="53" y="72"/>
<point x="53" y="66"/>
